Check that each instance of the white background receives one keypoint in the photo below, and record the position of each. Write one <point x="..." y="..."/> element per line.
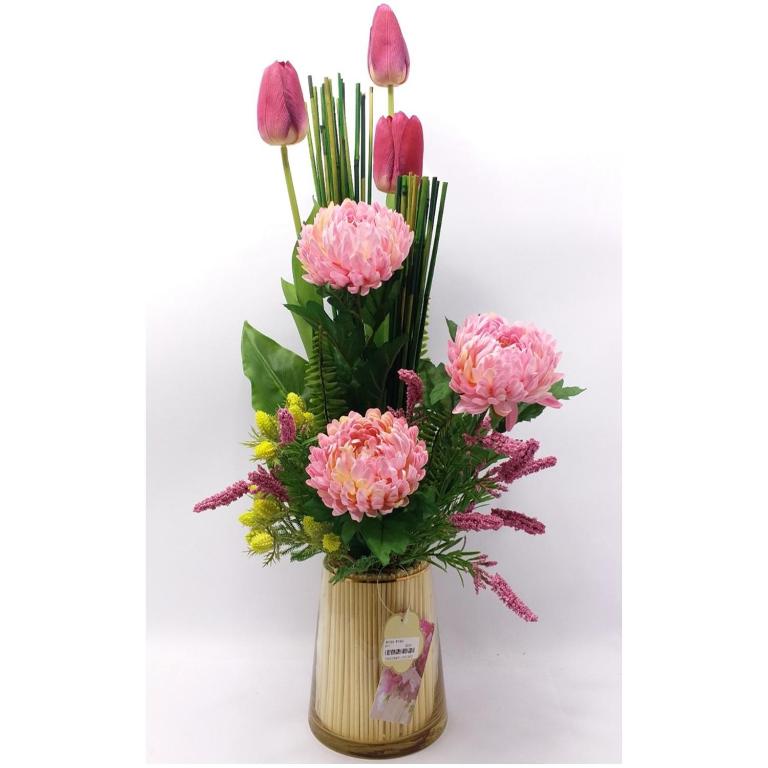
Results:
<point x="520" y="116"/>
<point x="88" y="180"/>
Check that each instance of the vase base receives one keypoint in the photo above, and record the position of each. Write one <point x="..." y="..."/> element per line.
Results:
<point x="413" y="742"/>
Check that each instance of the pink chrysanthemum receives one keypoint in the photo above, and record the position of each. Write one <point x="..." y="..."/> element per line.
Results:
<point x="355" y="246"/>
<point x="367" y="465"/>
<point x="497" y="364"/>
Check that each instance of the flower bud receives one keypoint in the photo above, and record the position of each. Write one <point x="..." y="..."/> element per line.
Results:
<point x="281" y="112"/>
<point x="398" y="149"/>
<point x="388" y="60"/>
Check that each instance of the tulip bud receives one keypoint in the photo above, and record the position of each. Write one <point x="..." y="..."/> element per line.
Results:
<point x="398" y="149"/>
<point x="388" y="60"/>
<point x="281" y="112"/>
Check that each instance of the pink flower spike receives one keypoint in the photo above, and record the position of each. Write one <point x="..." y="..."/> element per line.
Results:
<point x="519" y="521"/>
<point x="476" y="521"/>
<point x="414" y="390"/>
<point x="227" y="496"/>
<point x="266" y="483"/>
<point x="510" y="599"/>
<point x="287" y="426"/>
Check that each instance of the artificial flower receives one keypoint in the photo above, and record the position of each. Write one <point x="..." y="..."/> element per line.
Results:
<point x="388" y="60"/>
<point x="281" y="112"/>
<point x="367" y="465"/>
<point x="354" y="246"/>
<point x="398" y="149"/>
<point x="493" y="363"/>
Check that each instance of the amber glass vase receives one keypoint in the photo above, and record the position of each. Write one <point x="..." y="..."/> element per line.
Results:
<point x="347" y="667"/>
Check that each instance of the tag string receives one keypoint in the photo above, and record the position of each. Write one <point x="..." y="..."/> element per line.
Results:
<point x="386" y="607"/>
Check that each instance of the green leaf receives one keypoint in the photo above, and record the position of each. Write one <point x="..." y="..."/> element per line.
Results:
<point x="348" y="530"/>
<point x="384" y="535"/>
<point x="437" y="383"/>
<point x="302" y="326"/>
<point x="304" y="291"/>
<point x="451" y="328"/>
<point x="562" y="392"/>
<point x="272" y="370"/>
<point x="529" y="411"/>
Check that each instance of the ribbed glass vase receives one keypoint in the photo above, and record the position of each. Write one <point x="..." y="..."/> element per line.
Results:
<point x="347" y="666"/>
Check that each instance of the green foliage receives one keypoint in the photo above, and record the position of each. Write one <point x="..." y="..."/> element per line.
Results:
<point x="529" y="411"/>
<point x="385" y="535"/>
<point x="325" y="394"/>
<point x="302" y="326"/>
<point x="272" y="370"/>
<point x="452" y="327"/>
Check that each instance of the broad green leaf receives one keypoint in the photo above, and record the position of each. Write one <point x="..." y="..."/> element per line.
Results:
<point x="348" y="530"/>
<point x="451" y="328"/>
<point x="384" y="535"/>
<point x="302" y="326"/>
<point x="272" y="370"/>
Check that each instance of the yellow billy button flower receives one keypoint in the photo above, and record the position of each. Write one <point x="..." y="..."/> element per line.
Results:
<point x="295" y="401"/>
<point x="331" y="542"/>
<point x="267" y="425"/>
<point x="265" y="450"/>
<point x="311" y="527"/>
<point x="260" y="542"/>
<point x="262" y="513"/>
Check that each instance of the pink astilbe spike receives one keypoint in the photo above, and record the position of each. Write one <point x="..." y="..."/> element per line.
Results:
<point x="479" y="564"/>
<point x="511" y="470"/>
<point x="476" y="521"/>
<point x="266" y="482"/>
<point x="287" y="426"/>
<point x="222" y="498"/>
<point x="510" y="599"/>
<point x="499" y="587"/>
<point x="414" y="390"/>
<point x="518" y="521"/>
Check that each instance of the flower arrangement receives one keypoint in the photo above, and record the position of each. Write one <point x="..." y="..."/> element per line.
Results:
<point x="367" y="451"/>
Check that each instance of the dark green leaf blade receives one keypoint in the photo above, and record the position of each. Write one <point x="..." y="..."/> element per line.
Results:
<point x="272" y="370"/>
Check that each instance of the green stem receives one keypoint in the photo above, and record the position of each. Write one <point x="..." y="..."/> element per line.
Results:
<point x="391" y="99"/>
<point x="291" y="190"/>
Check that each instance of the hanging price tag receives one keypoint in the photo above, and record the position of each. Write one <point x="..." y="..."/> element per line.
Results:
<point x="403" y="641"/>
<point x="404" y="651"/>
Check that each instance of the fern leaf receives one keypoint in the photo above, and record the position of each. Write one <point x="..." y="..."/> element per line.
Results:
<point x="326" y="400"/>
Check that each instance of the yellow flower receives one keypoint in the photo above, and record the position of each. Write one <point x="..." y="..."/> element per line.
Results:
<point x="265" y="450"/>
<point x="262" y="513"/>
<point x="294" y="400"/>
<point x="331" y="542"/>
<point x="249" y="519"/>
<point x="311" y="527"/>
<point x="267" y="425"/>
<point x="298" y="415"/>
<point x="309" y="419"/>
<point x="260" y="542"/>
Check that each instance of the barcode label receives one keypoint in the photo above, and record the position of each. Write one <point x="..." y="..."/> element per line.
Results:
<point x="399" y="648"/>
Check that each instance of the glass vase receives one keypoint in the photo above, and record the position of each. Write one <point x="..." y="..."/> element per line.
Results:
<point x="347" y="666"/>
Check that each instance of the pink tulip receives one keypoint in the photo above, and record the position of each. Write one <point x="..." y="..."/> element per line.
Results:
<point x="282" y="115"/>
<point x="398" y="149"/>
<point x="388" y="60"/>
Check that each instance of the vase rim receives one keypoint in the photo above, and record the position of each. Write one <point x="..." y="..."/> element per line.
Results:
<point x="386" y="574"/>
